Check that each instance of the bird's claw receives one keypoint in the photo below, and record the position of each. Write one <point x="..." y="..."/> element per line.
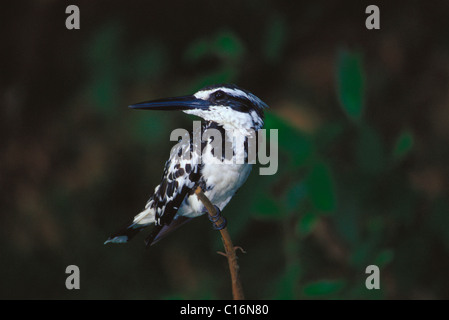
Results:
<point x="214" y="219"/>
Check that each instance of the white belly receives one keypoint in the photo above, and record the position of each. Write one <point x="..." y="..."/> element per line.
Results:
<point x="223" y="180"/>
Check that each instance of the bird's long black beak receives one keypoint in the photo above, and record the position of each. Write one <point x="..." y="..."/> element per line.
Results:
<point x="176" y="103"/>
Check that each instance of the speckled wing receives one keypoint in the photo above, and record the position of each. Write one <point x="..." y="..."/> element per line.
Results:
<point x="180" y="177"/>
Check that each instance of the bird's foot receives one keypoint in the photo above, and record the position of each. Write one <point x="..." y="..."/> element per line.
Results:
<point x="216" y="218"/>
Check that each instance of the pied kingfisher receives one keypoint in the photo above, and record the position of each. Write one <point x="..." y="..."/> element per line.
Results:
<point x="226" y="108"/>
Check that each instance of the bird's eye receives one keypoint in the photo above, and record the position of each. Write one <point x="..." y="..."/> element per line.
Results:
<point x="219" y="95"/>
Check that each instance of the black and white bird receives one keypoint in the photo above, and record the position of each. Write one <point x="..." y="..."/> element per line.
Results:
<point x="234" y="112"/>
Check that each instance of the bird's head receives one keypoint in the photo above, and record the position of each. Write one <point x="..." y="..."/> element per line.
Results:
<point x="227" y="105"/>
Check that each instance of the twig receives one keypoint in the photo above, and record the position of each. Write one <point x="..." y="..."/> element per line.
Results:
<point x="237" y="290"/>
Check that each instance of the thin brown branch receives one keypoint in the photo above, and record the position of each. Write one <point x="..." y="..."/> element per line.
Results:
<point x="237" y="290"/>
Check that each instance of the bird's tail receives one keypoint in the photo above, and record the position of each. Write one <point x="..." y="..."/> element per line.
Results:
<point x="129" y="230"/>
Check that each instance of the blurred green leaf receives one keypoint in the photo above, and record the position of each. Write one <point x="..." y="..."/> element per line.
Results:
<point x="104" y="92"/>
<point x="320" y="187"/>
<point x="287" y="286"/>
<point x="384" y="258"/>
<point x="295" y="194"/>
<point x="323" y="288"/>
<point x="306" y="223"/>
<point x="149" y="128"/>
<point x="104" y="49"/>
<point x="361" y="254"/>
<point x="225" y="45"/>
<point x="228" y="45"/>
<point x="403" y="145"/>
<point x="296" y="144"/>
<point x="268" y="208"/>
<point x="350" y="84"/>
<point x="103" y="55"/>
<point x="223" y="75"/>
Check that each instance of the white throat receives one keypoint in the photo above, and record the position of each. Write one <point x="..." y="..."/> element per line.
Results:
<point x="231" y="120"/>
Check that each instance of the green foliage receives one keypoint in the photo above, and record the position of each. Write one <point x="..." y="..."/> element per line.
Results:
<point x="268" y="208"/>
<point x="296" y="145"/>
<point x="287" y="286"/>
<point x="403" y="145"/>
<point x="384" y="258"/>
<point x="306" y="223"/>
<point x="323" y="288"/>
<point x="295" y="195"/>
<point x="225" y="46"/>
<point x="351" y="84"/>
<point x="320" y="187"/>
<point x="104" y="64"/>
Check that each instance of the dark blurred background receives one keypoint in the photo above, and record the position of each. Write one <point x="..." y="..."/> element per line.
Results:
<point x="363" y="120"/>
